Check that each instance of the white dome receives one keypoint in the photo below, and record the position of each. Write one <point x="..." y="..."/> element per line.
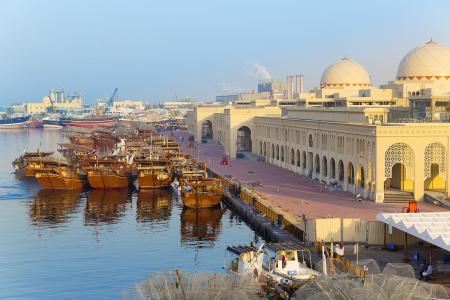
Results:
<point x="426" y="62"/>
<point x="345" y="72"/>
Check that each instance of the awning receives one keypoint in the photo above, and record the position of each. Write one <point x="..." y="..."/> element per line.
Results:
<point x="432" y="227"/>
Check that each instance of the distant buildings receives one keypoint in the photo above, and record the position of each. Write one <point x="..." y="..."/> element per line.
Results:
<point x="123" y="107"/>
<point x="276" y="92"/>
<point x="129" y="103"/>
<point x="225" y="99"/>
<point x="187" y="103"/>
<point x="17" y="108"/>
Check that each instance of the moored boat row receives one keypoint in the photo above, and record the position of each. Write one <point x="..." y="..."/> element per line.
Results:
<point x="140" y="159"/>
<point x="57" y="123"/>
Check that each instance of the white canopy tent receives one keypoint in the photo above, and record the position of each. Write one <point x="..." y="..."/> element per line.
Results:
<point x="432" y="227"/>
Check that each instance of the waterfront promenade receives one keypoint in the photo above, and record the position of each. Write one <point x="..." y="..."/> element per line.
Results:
<point x="290" y="192"/>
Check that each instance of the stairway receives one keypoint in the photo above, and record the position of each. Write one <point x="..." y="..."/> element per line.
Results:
<point x="397" y="196"/>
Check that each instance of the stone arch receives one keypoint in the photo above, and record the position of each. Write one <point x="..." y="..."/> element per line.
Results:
<point x="435" y="167"/>
<point x="292" y="156"/>
<point x="341" y="170"/>
<point x="324" y="166"/>
<point x="360" y="177"/>
<point x="317" y="164"/>
<point x="265" y="149"/>
<point x="298" y="158"/>
<point x="282" y="153"/>
<point x="207" y="130"/>
<point x="278" y="152"/>
<point x="273" y="151"/>
<point x="260" y="148"/>
<point x="399" y="167"/>
<point x="350" y="174"/>
<point x="332" y="168"/>
<point x="244" y="139"/>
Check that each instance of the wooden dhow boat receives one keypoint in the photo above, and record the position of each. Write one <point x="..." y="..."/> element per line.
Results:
<point x="109" y="173"/>
<point x="153" y="173"/>
<point x="188" y="172"/>
<point x="42" y="165"/>
<point x="26" y="164"/>
<point x="108" y="178"/>
<point x="61" y="179"/>
<point x="83" y="139"/>
<point x="202" y="193"/>
<point x="71" y="151"/>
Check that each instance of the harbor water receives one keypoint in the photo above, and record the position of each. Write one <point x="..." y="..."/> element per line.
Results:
<point x="98" y="244"/>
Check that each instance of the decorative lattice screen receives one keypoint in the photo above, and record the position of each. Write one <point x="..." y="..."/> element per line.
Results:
<point x="399" y="153"/>
<point x="435" y="154"/>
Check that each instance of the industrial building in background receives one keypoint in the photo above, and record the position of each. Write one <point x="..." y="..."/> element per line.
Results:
<point x="55" y="101"/>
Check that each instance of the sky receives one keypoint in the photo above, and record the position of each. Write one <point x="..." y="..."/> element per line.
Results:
<point x="159" y="50"/>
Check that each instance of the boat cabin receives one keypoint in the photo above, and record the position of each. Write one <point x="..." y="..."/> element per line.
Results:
<point x="289" y="260"/>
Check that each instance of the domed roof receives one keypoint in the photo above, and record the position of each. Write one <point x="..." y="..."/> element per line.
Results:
<point x="426" y="62"/>
<point x="345" y="72"/>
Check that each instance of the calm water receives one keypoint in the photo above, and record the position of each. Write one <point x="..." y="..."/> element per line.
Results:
<point x="96" y="244"/>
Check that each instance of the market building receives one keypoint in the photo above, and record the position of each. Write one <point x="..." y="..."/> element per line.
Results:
<point x="384" y="143"/>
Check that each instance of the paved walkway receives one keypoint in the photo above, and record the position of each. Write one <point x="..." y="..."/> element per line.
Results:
<point x="291" y="192"/>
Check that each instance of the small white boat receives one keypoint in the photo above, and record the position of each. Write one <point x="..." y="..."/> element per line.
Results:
<point x="286" y="263"/>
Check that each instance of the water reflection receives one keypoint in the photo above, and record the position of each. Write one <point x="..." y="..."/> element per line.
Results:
<point x="153" y="205"/>
<point x="200" y="227"/>
<point x="51" y="208"/>
<point x="105" y="206"/>
<point x="70" y="226"/>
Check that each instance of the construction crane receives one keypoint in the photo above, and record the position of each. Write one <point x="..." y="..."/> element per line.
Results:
<point x="111" y="100"/>
<point x="52" y="103"/>
<point x="108" y="104"/>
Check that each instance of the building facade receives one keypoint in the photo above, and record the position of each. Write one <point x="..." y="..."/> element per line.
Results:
<point x="342" y="148"/>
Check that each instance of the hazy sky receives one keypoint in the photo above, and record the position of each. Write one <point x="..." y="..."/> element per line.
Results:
<point x="156" y="50"/>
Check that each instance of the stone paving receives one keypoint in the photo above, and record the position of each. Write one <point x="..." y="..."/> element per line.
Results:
<point x="292" y="193"/>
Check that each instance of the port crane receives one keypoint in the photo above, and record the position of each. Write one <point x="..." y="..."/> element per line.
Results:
<point x="52" y="103"/>
<point x="111" y="100"/>
<point x="109" y="103"/>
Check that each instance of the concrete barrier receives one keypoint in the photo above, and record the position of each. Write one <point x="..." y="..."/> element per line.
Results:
<point x="260" y="223"/>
